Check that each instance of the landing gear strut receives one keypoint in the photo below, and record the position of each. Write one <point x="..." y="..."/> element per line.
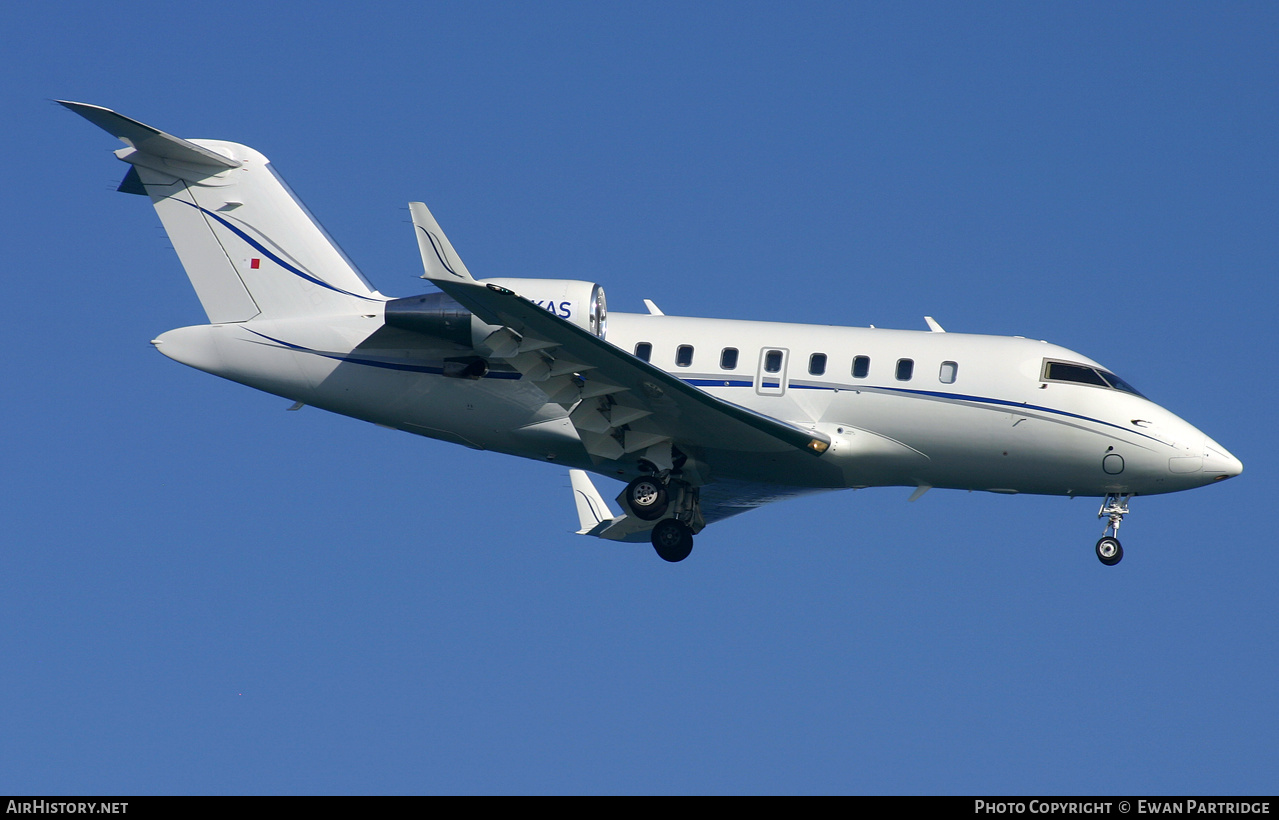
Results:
<point x="1115" y="507"/>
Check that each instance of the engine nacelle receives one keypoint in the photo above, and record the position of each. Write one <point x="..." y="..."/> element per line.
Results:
<point x="440" y="316"/>
<point x="581" y="303"/>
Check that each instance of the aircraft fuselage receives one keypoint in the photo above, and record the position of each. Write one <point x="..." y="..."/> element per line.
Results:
<point x="902" y="408"/>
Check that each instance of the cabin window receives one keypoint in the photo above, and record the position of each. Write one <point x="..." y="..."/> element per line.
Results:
<point x="684" y="355"/>
<point x="728" y="359"/>
<point x="948" y="372"/>
<point x="905" y="369"/>
<point x="817" y="364"/>
<point x="861" y="367"/>
<point x="773" y="361"/>
<point x="644" y="351"/>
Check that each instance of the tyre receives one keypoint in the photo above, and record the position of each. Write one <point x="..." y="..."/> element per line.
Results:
<point x="672" y="540"/>
<point x="647" y="498"/>
<point x="1109" y="551"/>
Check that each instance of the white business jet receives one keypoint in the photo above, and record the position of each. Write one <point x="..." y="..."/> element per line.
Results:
<point x="705" y="418"/>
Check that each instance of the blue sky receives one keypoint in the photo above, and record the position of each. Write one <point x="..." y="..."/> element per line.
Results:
<point x="203" y="593"/>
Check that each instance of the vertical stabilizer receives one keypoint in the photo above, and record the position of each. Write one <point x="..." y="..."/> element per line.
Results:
<point x="248" y="245"/>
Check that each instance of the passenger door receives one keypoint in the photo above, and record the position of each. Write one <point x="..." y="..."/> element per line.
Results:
<point x="770" y="376"/>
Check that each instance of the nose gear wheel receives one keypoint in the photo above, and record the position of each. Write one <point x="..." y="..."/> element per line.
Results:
<point x="1114" y="508"/>
<point x="1109" y="551"/>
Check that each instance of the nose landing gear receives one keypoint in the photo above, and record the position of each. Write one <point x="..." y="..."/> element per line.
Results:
<point x="1115" y="507"/>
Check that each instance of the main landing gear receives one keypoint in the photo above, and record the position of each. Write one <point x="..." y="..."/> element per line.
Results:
<point x="647" y="497"/>
<point x="673" y="505"/>
<point x="672" y="539"/>
<point x="1115" y="507"/>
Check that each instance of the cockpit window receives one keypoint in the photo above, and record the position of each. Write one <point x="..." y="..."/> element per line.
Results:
<point x="1083" y="374"/>
<point x="1062" y="372"/>
<point x="1119" y="384"/>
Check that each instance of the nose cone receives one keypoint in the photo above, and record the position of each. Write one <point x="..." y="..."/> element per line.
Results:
<point x="1219" y="463"/>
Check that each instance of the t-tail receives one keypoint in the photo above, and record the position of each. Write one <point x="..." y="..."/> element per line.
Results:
<point x="250" y="248"/>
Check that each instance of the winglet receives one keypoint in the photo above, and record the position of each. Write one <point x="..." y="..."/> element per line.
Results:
<point x="149" y="140"/>
<point x="439" y="260"/>
<point x="592" y="512"/>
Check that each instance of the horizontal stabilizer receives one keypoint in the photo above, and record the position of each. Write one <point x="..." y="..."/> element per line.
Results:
<point x="132" y="183"/>
<point x="149" y="140"/>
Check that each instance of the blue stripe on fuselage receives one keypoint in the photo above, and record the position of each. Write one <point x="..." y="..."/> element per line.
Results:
<point x="931" y="394"/>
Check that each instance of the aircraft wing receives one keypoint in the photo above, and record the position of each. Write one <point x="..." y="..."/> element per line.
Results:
<point x="626" y="404"/>
<point x="620" y="403"/>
